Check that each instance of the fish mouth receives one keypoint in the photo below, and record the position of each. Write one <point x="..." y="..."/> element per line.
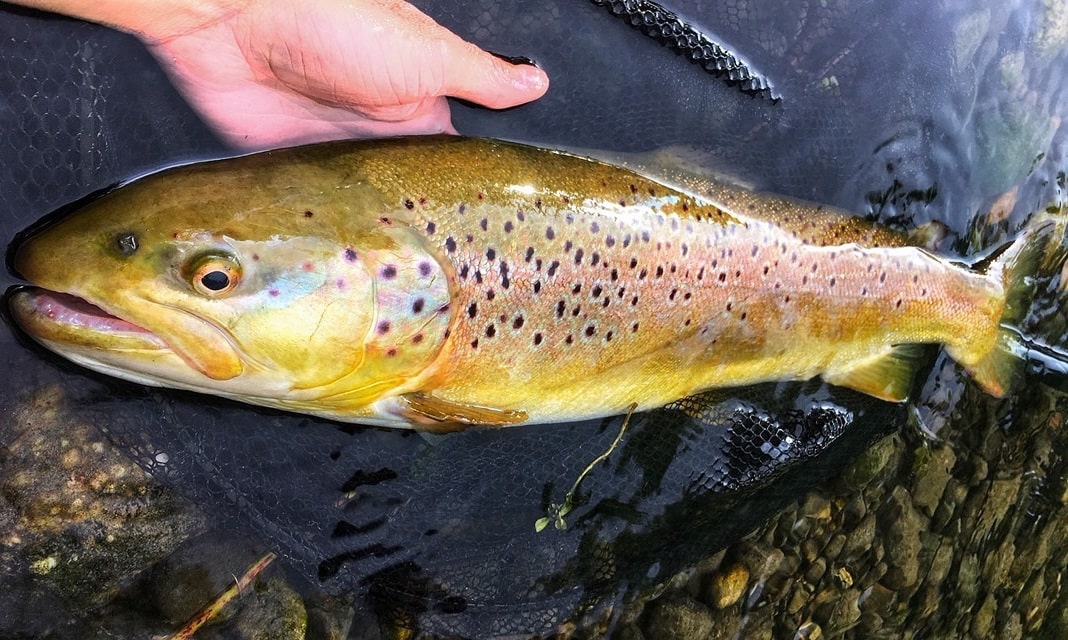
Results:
<point x="63" y="321"/>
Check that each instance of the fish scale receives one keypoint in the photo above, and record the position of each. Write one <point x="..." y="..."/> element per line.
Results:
<point x="447" y="281"/>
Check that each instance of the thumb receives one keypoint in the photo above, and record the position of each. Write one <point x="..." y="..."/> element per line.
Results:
<point x="481" y="77"/>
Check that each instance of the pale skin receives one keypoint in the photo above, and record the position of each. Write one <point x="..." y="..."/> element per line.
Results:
<point x="268" y="73"/>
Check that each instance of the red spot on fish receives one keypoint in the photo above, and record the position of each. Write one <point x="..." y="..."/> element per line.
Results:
<point x="340" y="283"/>
<point x="350" y="254"/>
<point x="390" y="352"/>
<point x="309" y="265"/>
<point x="273" y="293"/>
<point x="417" y="338"/>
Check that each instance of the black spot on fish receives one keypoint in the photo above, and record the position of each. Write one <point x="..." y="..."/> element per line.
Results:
<point x="569" y="339"/>
<point x="882" y="277"/>
<point x="490" y="295"/>
<point x="518" y="322"/>
<point x="408" y="204"/>
<point x="256" y="257"/>
<point x="537" y="286"/>
<point x="594" y="227"/>
<point x="491" y="254"/>
<point x="389" y="271"/>
<point x="491" y="331"/>
<point x="462" y="208"/>
<point x="642" y="274"/>
<point x="596" y="293"/>
<point x="659" y="271"/>
<point x="520" y="215"/>
<point x="610" y="242"/>
<point x="464" y="271"/>
<point x="645" y="236"/>
<point x="484" y="223"/>
<point x="417" y="305"/>
<point x="754" y="251"/>
<point x="474" y="343"/>
<point x="575" y="289"/>
<point x="508" y="226"/>
<point x="560" y="306"/>
<point x="614" y="275"/>
<point x="833" y="281"/>
<point x="550" y="233"/>
<point x="553" y="266"/>
<point x="505" y="281"/>
<point x="673" y="293"/>
<point x="431" y="227"/>
<point x="633" y="262"/>
<point x="383" y="327"/>
<point x="576" y="311"/>
<point x="634" y="328"/>
<point x="567" y="246"/>
<point x="626" y="241"/>
<point x="308" y="213"/>
<point x="608" y="337"/>
<point x="537" y="203"/>
<point x="595" y="259"/>
<point x="424" y="268"/>
<point x="537" y="339"/>
<point x="450" y="244"/>
<point x="478" y="276"/>
<point x="350" y="254"/>
<point x="529" y="255"/>
<point x="472" y="310"/>
<point x="722" y="276"/>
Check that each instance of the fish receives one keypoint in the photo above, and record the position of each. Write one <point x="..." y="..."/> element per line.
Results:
<point x="440" y="282"/>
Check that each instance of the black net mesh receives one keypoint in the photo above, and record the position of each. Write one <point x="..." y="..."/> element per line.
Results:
<point x="882" y="109"/>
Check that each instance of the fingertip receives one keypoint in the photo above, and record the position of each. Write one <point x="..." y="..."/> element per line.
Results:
<point x="498" y="83"/>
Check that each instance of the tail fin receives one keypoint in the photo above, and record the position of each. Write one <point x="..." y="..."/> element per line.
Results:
<point x="1039" y="249"/>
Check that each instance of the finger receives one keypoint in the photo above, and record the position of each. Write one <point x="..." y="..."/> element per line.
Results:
<point x="475" y="75"/>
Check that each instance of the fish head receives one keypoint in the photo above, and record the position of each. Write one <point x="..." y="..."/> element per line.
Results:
<point x="235" y="283"/>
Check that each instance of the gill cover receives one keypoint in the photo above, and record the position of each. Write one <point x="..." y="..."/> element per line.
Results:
<point x="410" y="319"/>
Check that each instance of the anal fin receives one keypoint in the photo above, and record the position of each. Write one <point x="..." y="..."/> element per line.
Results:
<point x="887" y="376"/>
<point x="436" y="415"/>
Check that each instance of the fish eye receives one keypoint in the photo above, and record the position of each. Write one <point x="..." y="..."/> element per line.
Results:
<point x="215" y="276"/>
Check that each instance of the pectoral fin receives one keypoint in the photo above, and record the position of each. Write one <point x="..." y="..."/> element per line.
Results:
<point x="886" y="377"/>
<point x="435" y="414"/>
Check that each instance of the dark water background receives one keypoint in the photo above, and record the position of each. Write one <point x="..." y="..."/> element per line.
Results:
<point x="904" y="112"/>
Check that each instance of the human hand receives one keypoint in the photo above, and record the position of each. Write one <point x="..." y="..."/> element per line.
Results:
<point x="277" y="72"/>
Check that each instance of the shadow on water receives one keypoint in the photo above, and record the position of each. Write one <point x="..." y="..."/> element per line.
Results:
<point x="905" y="113"/>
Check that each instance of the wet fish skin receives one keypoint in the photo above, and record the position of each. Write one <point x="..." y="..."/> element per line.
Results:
<point x="446" y="281"/>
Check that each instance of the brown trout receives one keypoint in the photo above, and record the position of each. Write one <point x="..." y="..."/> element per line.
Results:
<point x="440" y="281"/>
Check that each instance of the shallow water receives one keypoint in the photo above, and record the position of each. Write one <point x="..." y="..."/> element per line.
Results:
<point x="906" y="114"/>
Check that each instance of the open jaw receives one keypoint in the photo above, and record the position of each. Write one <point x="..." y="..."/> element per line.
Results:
<point x="62" y="320"/>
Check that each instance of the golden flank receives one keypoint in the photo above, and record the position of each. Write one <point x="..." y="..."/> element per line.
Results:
<point x="434" y="282"/>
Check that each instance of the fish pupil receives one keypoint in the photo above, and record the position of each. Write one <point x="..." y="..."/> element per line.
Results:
<point x="215" y="280"/>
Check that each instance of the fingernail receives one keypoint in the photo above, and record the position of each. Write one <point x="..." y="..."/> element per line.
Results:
<point x="514" y="59"/>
